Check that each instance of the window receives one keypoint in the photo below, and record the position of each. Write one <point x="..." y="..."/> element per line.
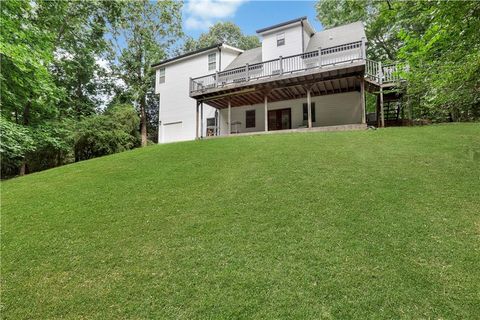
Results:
<point x="210" y="122"/>
<point x="161" y="77"/>
<point x="250" y="119"/>
<point x="280" y="39"/>
<point x="305" y="112"/>
<point x="212" y="61"/>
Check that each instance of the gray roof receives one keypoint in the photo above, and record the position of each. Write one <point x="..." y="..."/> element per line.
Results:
<point x="249" y="56"/>
<point x="286" y="23"/>
<point x="327" y="38"/>
<point x="336" y="36"/>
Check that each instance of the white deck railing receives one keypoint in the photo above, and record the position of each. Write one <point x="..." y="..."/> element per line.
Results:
<point x="338" y="55"/>
<point x="320" y="58"/>
<point x="382" y="74"/>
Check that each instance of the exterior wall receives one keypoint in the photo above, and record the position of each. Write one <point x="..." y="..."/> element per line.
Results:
<point x="177" y="109"/>
<point x="292" y="46"/>
<point x="306" y="40"/>
<point x="335" y="109"/>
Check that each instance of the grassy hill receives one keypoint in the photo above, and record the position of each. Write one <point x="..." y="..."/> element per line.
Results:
<point x="371" y="224"/>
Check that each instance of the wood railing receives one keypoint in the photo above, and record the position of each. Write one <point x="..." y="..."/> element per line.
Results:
<point x="320" y="58"/>
<point x="338" y="55"/>
<point x="383" y="73"/>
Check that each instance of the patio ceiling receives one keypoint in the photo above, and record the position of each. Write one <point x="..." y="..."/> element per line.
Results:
<point x="293" y="86"/>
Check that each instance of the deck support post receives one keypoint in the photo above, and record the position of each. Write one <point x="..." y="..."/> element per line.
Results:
<point x="380" y="82"/>
<point x="196" y="120"/>
<point x="160" y="124"/>
<point x="382" y="114"/>
<point x="266" y="111"/>
<point x="201" y="119"/>
<point x="309" y="108"/>
<point x="362" y="97"/>
<point x="229" y="117"/>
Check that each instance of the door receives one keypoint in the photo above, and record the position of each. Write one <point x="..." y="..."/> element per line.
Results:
<point x="279" y="119"/>
<point x="172" y="131"/>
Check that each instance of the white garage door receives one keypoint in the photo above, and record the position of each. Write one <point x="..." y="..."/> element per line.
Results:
<point x="173" y="131"/>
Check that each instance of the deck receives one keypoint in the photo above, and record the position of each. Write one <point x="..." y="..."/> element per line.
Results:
<point x="328" y="70"/>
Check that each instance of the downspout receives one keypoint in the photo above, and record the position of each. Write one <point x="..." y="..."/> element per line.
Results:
<point x="220" y="58"/>
<point x="303" y="40"/>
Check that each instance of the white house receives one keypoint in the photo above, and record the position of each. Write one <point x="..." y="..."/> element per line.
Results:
<point x="222" y="90"/>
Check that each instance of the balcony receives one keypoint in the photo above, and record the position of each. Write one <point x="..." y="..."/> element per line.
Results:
<point x="296" y="64"/>
<point x="333" y="58"/>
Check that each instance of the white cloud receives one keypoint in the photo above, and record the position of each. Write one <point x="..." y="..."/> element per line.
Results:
<point x="197" y="23"/>
<point x="201" y="14"/>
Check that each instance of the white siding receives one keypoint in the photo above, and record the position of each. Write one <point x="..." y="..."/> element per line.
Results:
<point x="335" y="109"/>
<point x="292" y="46"/>
<point x="175" y="104"/>
<point x="306" y="40"/>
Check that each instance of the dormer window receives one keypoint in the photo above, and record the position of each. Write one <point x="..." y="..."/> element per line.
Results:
<point x="212" y="61"/>
<point x="161" y="75"/>
<point x="280" y="39"/>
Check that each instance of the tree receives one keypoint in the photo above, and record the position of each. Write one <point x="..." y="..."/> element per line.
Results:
<point x="148" y="29"/>
<point x="222" y="32"/>
<point x="444" y="59"/>
<point x="114" y="131"/>
<point x="79" y="47"/>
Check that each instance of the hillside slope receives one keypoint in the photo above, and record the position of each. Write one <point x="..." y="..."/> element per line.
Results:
<point x="371" y="224"/>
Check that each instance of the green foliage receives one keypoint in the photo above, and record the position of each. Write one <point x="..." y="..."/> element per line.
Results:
<point x="222" y="32"/>
<point x="55" y="75"/>
<point x="26" y="50"/>
<point x="81" y="42"/>
<point x="114" y="131"/>
<point x="444" y="59"/>
<point x="16" y="143"/>
<point x="39" y="147"/>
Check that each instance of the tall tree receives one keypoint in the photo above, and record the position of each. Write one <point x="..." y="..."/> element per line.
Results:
<point x="26" y="48"/>
<point x="147" y="29"/>
<point x="81" y="46"/>
<point x="222" y="32"/>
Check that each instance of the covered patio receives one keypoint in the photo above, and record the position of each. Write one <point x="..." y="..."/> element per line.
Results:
<point x="269" y="92"/>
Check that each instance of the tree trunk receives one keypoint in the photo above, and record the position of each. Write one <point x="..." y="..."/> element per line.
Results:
<point x="143" y="121"/>
<point x="26" y="120"/>
<point x="23" y="169"/>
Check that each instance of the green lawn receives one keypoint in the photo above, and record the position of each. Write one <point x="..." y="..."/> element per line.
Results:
<point x="346" y="225"/>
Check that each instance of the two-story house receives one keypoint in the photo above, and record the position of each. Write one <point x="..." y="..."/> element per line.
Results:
<point x="299" y="79"/>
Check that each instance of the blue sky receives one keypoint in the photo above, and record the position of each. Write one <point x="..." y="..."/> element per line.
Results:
<point x="250" y="15"/>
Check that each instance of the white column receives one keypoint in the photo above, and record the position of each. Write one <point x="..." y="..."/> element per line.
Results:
<point x="309" y="108"/>
<point x="362" y="96"/>
<point x="229" y="118"/>
<point x="196" y="122"/>
<point x="160" y="125"/>
<point x="266" y="112"/>
<point x="201" y="119"/>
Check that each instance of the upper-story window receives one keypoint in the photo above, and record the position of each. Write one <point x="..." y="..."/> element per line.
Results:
<point x="212" y="61"/>
<point x="161" y="75"/>
<point x="280" y="39"/>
